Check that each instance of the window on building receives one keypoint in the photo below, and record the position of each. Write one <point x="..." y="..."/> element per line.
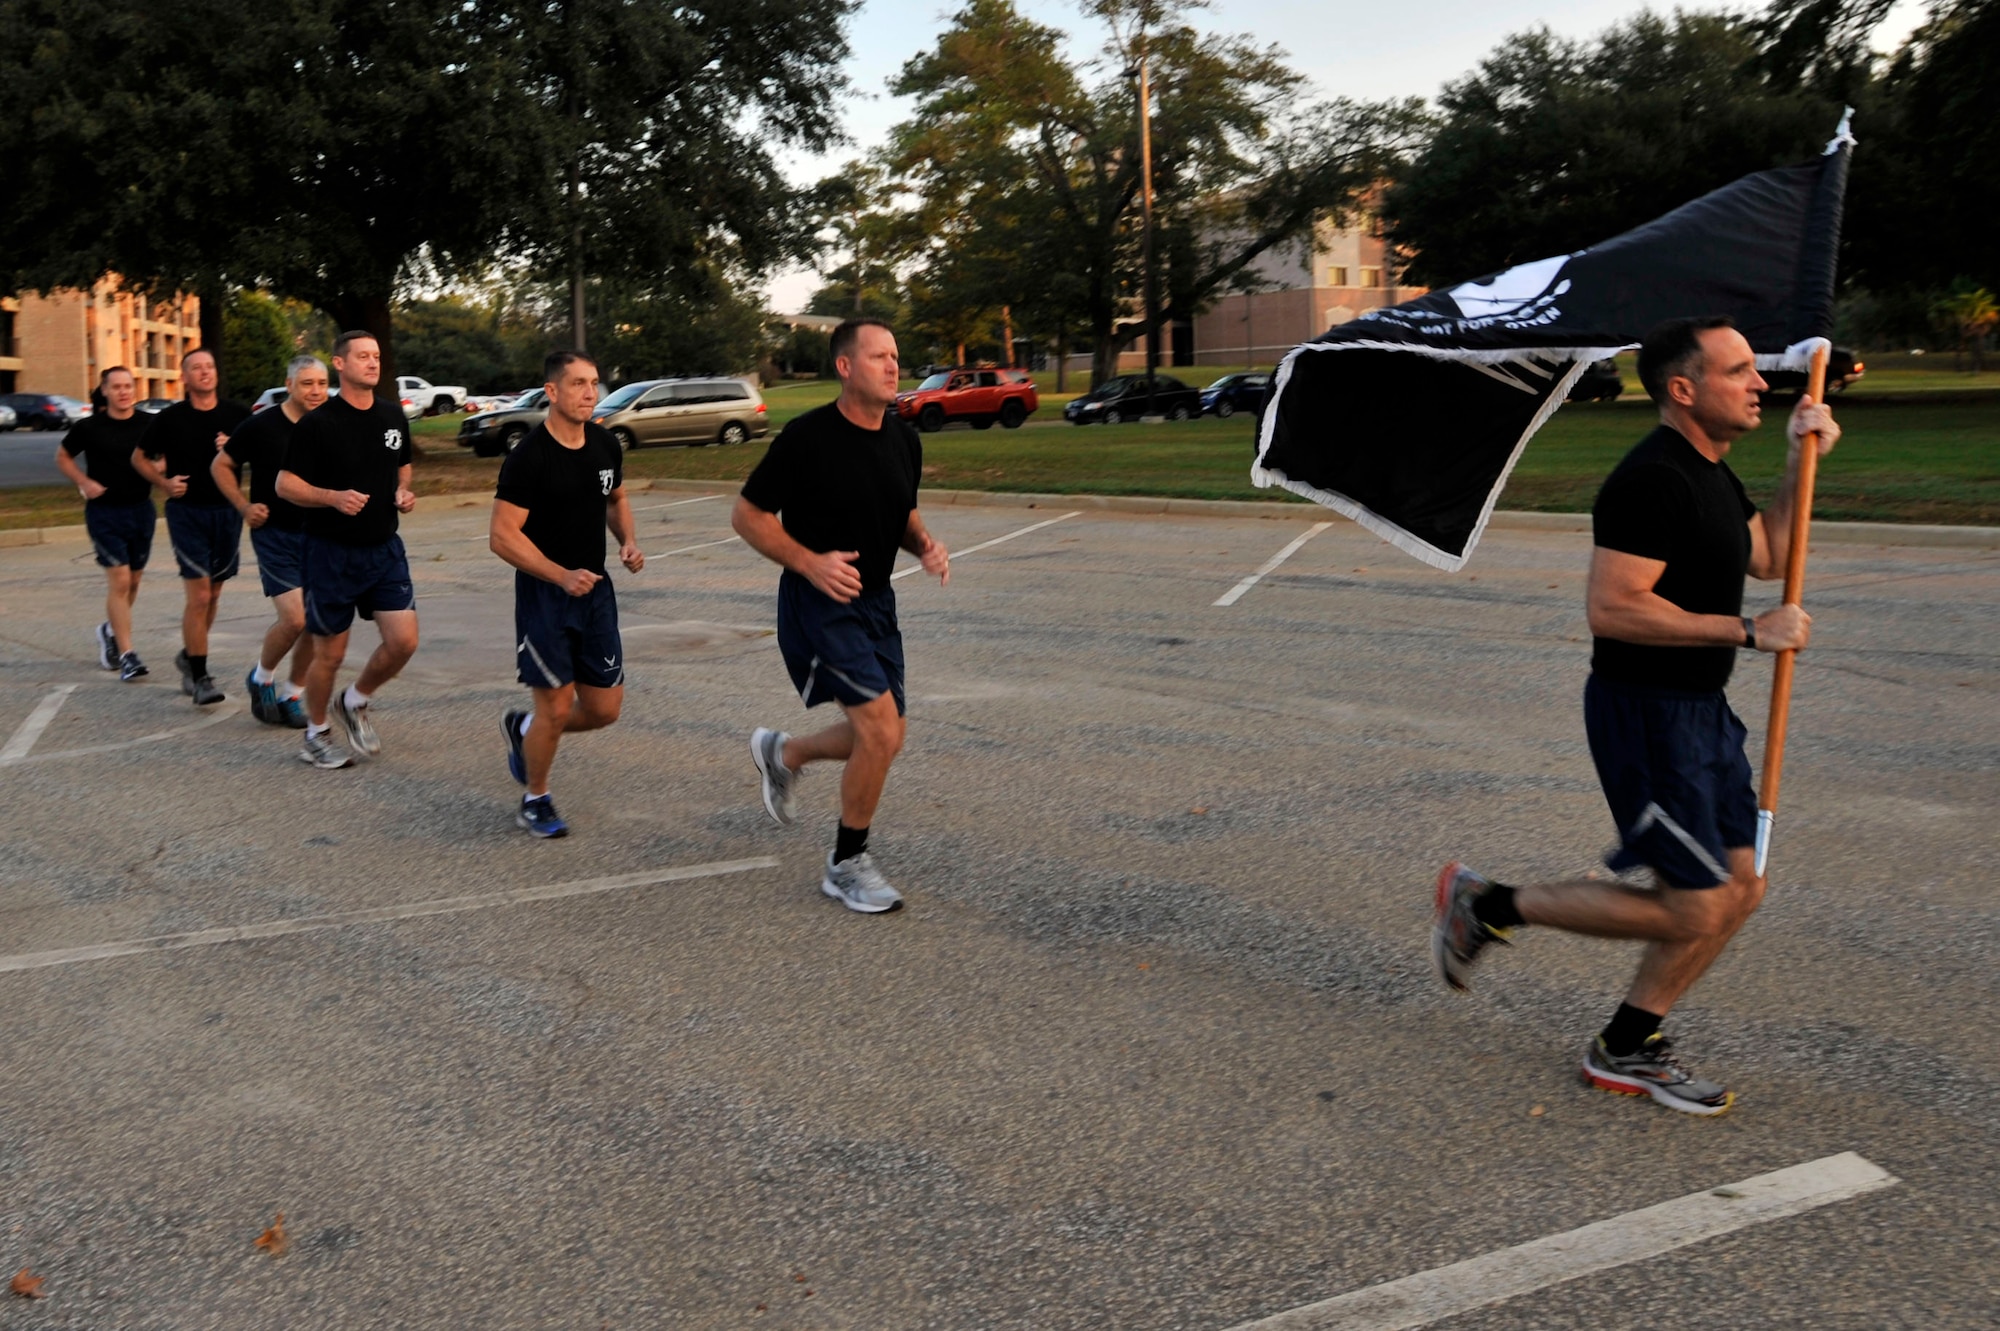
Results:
<point x="6" y="332"/>
<point x="1336" y="275"/>
<point x="1371" y="277"/>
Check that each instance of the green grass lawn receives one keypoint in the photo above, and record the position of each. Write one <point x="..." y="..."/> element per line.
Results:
<point x="1903" y="459"/>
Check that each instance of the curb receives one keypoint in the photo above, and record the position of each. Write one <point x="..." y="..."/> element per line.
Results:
<point x="1823" y="533"/>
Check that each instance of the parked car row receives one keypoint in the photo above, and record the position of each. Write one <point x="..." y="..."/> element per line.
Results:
<point x="652" y="411"/>
<point x="43" y="411"/>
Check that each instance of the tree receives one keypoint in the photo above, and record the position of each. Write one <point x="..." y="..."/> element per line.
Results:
<point x="1967" y="314"/>
<point x="1025" y="167"/>
<point x="682" y="329"/>
<point x="1552" y="145"/>
<point x="256" y="341"/>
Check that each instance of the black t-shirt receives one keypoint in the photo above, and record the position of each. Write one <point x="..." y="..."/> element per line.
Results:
<point x="566" y="491"/>
<point x="186" y="439"/>
<point x="342" y="447"/>
<point x="1666" y="501"/>
<point x="840" y="487"/>
<point x="106" y="445"/>
<point x="261" y="442"/>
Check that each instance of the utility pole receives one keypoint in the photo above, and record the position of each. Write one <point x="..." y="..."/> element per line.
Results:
<point x="1146" y="211"/>
<point x="1007" y="331"/>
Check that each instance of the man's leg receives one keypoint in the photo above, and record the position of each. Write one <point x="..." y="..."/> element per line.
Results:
<point x="287" y="631"/>
<point x="196" y="616"/>
<point x="327" y="654"/>
<point x="122" y="589"/>
<point x="876" y="737"/>
<point x="399" y="644"/>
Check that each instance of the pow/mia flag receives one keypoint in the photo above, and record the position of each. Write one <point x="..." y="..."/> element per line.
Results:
<point x="1409" y="419"/>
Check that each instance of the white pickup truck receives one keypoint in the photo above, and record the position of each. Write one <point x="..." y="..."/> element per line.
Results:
<point x="423" y="398"/>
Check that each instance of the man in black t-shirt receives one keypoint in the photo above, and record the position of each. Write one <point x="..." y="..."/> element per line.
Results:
<point x="278" y="535"/>
<point x="348" y="465"/>
<point x="207" y="534"/>
<point x="1674" y="535"/>
<point x="117" y="509"/>
<point x="832" y="502"/>
<point x="559" y="490"/>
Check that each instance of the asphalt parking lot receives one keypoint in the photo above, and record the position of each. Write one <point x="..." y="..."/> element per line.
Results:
<point x="1155" y="1044"/>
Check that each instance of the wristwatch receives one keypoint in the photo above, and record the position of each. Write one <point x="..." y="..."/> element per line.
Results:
<point x="1750" y="633"/>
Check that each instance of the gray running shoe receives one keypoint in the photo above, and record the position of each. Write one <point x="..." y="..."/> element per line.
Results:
<point x="1457" y="935"/>
<point x="186" y="667"/>
<point x="355" y="719"/>
<point x="858" y="885"/>
<point x="767" y="750"/>
<point x="130" y="667"/>
<point x="323" y="750"/>
<point x="1653" y="1070"/>
<point x="107" y="647"/>
<point x="204" y="691"/>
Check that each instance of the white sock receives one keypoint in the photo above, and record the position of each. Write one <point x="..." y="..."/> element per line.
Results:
<point x="355" y="698"/>
<point x="528" y="799"/>
<point x="263" y="676"/>
<point x="295" y="690"/>
<point x="527" y="719"/>
<point x="314" y="732"/>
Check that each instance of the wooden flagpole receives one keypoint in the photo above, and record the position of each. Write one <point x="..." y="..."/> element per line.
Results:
<point x="1795" y="584"/>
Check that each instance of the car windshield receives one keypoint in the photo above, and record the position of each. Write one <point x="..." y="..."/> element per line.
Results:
<point x="935" y="381"/>
<point x="534" y="397"/>
<point x="624" y="397"/>
<point x="1223" y="382"/>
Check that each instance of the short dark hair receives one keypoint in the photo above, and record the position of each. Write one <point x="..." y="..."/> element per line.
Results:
<point x="556" y="362"/>
<point x="351" y="336"/>
<point x="105" y="378"/>
<point x="192" y="352"/>
<point x="1672" y="350"/>
<point x="848" y="331"/>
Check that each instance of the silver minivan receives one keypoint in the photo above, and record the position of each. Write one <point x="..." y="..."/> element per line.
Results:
<point x="684" y="411"/>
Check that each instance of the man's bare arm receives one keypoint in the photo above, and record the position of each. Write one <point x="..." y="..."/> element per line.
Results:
<point x="1622" y="604"/>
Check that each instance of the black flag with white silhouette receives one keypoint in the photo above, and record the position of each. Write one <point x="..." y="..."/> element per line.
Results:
<point x="1410" y="418"/>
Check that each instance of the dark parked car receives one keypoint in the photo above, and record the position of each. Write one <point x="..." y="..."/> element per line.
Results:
<point x="491" y="433"/>
<point x="1127" y="398"/>
<point x="1598" y="383"/>
<point x="46" y="411"/>
<point x="1842" y="369"/>
<point x="1238" y="392"/>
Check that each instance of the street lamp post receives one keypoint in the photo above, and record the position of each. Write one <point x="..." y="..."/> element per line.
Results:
<point x="1146" y="214"/>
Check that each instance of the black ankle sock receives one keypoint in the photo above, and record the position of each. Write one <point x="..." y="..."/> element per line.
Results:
<point x="197" y="665"/>
<point x="849" y="842"/>
<point x="1495" y="908"/>
<point x="1630" y="1027"/>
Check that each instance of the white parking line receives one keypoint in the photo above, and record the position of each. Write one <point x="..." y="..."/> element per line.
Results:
<point x="651" y="508"/>
<point x="221" y="714"/>
<point x="38" y="720"/>
<point x="985" y="545"/>
<point x="1432" y="1296"/>
<point x="409" y="910"/>
<point x="1235" y="594"/>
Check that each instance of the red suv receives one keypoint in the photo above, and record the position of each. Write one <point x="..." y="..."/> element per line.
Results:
<point x="979" y="396"/>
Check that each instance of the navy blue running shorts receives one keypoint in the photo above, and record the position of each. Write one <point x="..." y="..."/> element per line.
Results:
<point x="341" y="579"/>
<point x="281" y="557"/>
<point x="850" y="654"/>
<point x="121" y="534"/>
<point x="207" y="539"/>
<point x="1676" y="778"/>
<point x="567" y="639"/>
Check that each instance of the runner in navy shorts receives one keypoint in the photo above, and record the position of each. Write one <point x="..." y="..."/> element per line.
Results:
<point x="832" y="502"/>
<point x="207" y="540"/>
<point x="1674" y="535"/>
<point x="344" y="580"/>
<point x="121" y="535"/>
<point x="281" y="560"/>
<point x="560" y="489"/>
<point x="96" y="456"/>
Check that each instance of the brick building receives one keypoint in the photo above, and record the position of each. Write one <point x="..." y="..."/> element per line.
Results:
<point x="61" y="342"/>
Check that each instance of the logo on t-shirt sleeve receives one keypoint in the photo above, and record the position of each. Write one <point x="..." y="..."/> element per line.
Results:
<point x="604" y="479"/>
<point x="392" y="439"/>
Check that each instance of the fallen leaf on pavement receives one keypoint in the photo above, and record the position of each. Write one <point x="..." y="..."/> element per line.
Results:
<point x="27" y="1284"/>
<point x="1537" y="1111"/>
<point x="273" y="1239"/>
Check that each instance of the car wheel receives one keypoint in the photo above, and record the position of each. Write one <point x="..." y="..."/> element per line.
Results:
<point x="1012" y="413"/>
<point x="733" y="433"/>
<point x="626" y="441"/>
<point x="931" y="419"/>
<point x="1224" y="408"/>
<point x="1179" y="413"/>
<point x="982" y="422"/>
<point x="511" y="437"/>
<point x="1114" y="417"/>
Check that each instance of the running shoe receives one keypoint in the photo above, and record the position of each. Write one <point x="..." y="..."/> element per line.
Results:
<point x="355" y="719"/>
<point x="517" y="762"/>
<point x="767" y="750"/>
<point x="1457" y="935"/>
<point x="107" y="647"/>
<point x="323" y="750"/>
<point x="539" y="816"/>
<point x="130" y="667"/>
<point x="1653" y="1070"/>
<point x="204" y="691"/>
<point x="857" y="884"/>
<point x="186" y="667"/>
<point x="292" y="712"/>
<point x="263" y="698"/>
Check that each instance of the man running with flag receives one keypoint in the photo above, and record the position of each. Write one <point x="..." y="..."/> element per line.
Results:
<point x="1674" y="535"/>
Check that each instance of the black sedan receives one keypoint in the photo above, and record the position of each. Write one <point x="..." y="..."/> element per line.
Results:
<point x="45" y="411"/>
<point x="1237" y="392"/>
<point x="1129" y="397"/>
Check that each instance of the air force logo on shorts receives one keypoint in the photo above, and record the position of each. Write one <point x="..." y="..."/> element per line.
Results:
<point x="604" y="479"/>
<point x="392" y="439"/>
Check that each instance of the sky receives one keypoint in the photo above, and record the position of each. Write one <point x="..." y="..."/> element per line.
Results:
<point x="1346" y="48"/>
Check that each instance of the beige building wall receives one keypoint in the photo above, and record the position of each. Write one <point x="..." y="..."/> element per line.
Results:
<point x="63" y="341"/>
<point x="1337" y="278"/>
